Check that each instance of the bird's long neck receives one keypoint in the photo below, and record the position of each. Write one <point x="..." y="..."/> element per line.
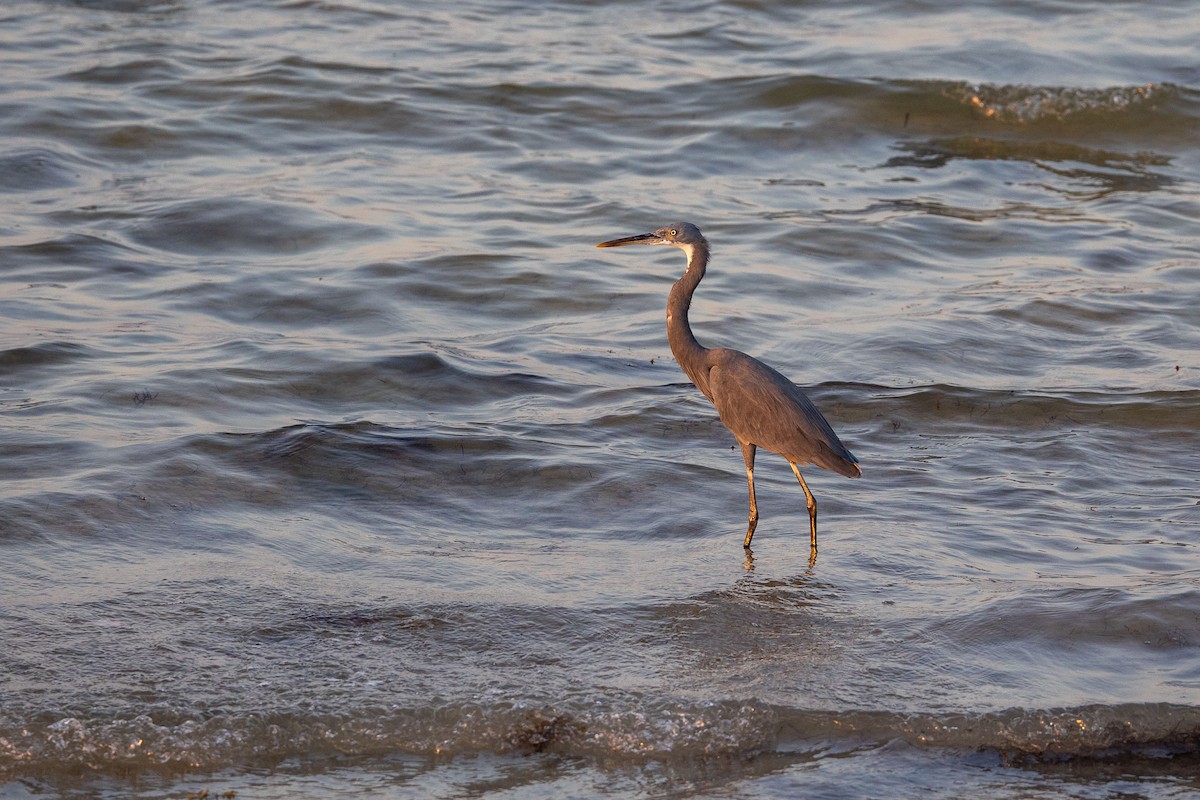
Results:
<point x="688" y="352"/>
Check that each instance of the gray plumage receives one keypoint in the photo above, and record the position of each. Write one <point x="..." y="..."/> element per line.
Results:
<point x="757" y="404"/>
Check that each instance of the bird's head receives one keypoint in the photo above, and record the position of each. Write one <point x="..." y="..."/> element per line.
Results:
<point x="683" y="235"/>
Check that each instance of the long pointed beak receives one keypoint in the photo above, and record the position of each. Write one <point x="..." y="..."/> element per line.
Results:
<point x="645" y="238"/>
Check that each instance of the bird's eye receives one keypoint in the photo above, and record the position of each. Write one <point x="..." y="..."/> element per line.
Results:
<point x="673" y="232"/>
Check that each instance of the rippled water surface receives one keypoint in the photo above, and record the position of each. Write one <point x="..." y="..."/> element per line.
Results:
<point x="336" y="461"/>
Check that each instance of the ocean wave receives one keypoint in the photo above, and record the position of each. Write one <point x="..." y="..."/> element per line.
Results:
<point x="1025" y="104"/>
<point x="652" y="731"/>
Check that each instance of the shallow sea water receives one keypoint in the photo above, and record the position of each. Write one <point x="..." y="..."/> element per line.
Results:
<point x="336" y="461"/>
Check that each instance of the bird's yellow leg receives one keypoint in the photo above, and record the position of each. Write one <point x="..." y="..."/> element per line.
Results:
<point x="812" y="505"/>
<point x="748" y="455"/>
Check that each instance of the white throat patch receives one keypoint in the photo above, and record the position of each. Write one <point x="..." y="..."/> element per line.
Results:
<point x="688" y="250"/>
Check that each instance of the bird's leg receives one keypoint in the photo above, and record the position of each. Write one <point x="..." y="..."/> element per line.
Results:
<point x="812" y="505"/>
<point x="748" y="454"/>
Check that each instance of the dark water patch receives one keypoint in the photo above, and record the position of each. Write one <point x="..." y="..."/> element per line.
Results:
<point x="136" y="71"/>
<point x="141" y="138"/>
<point x="413" y="384"/>
<point x="490" y="284"/>
<point x="110" y="135"/>
<point x="1013" y="410"/>
<point x="141" y="493"/>
<point x="35" y="458"/>
<point x="1101" y="632"/>
<point x="366" y="620"/>
<point x="296" y="104"/>
<point x="311" y="300"/>
<point x="1109" y="171"/>
<point x="285" y="119"/>
<point x="364" y="475"/>
<point x="61" y="516"/>
<point x="1086" y="618"/>
<point x="37" y="169"/>
<point x="448" y="379"/>
<point x="41" y="356"/>
<point x="242" y="225"/>
<point x="1077" y="317"/>
<point x="244" y="385"/>
<point x="125" y="6"/>
<point x="441" y="473"/>
<point x="74" y="257"/>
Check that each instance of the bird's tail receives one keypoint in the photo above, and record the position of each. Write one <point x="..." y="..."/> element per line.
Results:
<point x="843" y="463"/>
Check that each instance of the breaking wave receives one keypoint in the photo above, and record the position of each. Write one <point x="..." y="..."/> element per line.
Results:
<point x="663" y="732"/>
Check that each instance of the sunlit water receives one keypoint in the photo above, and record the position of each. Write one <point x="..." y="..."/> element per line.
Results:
<point x="335" y="460"/>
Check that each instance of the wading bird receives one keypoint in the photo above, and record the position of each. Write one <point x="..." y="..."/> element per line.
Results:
<point x="758" y="405"/>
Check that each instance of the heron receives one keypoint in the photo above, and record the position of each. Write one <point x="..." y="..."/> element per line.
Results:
<point x="758" y="405"/>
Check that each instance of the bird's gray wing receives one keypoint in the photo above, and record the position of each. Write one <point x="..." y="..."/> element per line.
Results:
<point x="761" y="406"/>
